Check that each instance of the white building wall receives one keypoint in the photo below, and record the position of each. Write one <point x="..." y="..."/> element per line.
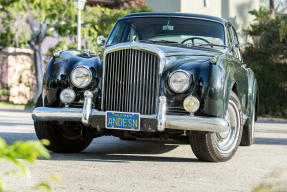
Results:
<point x="164" y="5"/>
<point x="235" y="11"/>
<point x="208" y="7"/>
<point x="238" y="15"/>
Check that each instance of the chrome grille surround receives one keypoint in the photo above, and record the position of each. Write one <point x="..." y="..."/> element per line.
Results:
<point x="125" y="92"/>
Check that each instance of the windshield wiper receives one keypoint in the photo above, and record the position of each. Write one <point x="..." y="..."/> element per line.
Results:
<point x="211" y="45"/>
<point x="160" y="41"/>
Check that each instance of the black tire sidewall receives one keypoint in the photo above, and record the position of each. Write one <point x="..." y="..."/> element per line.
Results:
<point x="219" y="156"/>
<point x="53" y="131"/>
<point x="58" y="142"/>
<point x="247" y="137"/>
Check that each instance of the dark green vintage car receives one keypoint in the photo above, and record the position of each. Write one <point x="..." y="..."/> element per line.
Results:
<point x="162" y="75"/>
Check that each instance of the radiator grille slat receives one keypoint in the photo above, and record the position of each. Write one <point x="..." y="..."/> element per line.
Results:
<point x="131" y="81"/>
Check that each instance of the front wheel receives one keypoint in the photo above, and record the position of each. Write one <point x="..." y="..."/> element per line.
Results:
<point x="218" y="147"/>
<point x="64" y="137"/>
<point x="248" y="131"/>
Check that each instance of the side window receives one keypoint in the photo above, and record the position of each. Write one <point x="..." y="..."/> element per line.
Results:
<point x="235" y="36"/>
<point x="236" y="49"/>
<point x="229" y="36"/>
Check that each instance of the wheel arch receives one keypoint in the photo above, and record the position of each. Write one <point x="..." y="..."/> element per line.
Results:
<point x="253" y="96"/>
<point x="230" y="85"/>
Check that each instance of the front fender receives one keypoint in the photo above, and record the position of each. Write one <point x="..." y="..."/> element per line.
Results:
<point x="252" y="94"/>
<point x="211" y="85"/>
<point x="57" y="75"/>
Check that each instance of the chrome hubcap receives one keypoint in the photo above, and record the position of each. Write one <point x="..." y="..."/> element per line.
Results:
<point x="226" y="141"/>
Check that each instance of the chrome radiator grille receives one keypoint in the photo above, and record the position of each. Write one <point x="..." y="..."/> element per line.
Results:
<point x="131" y="81"/>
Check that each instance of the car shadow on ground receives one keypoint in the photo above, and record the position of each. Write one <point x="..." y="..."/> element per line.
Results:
<point x="270" y="141"/>
<point x="112" y="149"/>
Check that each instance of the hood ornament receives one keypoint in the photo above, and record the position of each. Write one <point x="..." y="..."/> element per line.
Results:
<point x="134" y="38"/>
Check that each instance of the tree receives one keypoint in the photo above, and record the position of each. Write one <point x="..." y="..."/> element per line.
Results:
<point x="267" y="56"/>
<point x="6" y="20"/>
<point x="100" y="21"/>
<point x="45" y="18"/>
<point x="272" y="8"/>
<point x="50" y="17"/>
<point x="103" y="19"/>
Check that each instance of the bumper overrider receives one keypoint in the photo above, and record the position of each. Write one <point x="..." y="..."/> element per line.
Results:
<point x="87" y="114"/>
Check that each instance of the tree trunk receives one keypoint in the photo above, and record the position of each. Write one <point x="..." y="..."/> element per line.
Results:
<point x="39" y="31"/>
<point x="39" y="64"/>
<point x="272" y="8"/>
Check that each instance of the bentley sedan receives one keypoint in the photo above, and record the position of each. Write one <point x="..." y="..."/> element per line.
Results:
<point x="162" y="75"/>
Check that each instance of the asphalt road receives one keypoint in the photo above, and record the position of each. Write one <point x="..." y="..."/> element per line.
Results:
<point x="110" y="164"/>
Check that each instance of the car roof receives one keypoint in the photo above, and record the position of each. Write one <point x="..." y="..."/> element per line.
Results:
<point x="168" y="14"/>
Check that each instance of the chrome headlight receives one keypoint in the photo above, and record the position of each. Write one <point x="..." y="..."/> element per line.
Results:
<point x="81" y="77"/>
<point x="179" y="81"/>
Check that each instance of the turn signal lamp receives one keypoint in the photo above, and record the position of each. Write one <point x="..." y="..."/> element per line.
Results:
<point x="191" y="104"/>
<point x="67" y="95"/>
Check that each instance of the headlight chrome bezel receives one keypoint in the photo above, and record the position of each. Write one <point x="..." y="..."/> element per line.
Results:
<point x="189" y="79"/>
<point x="90" y="77"/>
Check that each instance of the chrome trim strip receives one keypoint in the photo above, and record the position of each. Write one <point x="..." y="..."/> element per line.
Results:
<point x="68" y="114"/>
<point x="87" y="109"/>
<point x="191" y="123"/>
<point x="57" y="114"/>
<point x="175" y="16"/>
<point x="161" y="117"/>
<point x="195" y="123"/>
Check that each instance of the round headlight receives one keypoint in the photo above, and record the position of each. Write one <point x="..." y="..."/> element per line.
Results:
<point x="67" y="95"/>
<point x="179" y="81"/>
<point x="81" y="77"/>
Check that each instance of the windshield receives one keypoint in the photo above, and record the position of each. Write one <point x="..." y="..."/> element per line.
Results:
<point x="170" y="30"/>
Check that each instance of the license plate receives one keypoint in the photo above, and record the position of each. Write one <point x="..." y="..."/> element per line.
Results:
<point x="124" y="121"/>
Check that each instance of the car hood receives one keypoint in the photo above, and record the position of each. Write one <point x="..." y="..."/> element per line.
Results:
<point x="177" y="56"/>
<point x="172" y="56"/>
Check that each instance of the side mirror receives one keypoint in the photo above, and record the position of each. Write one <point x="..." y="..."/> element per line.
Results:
<point x="101" y="40"/>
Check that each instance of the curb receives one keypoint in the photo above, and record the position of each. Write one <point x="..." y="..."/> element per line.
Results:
<point x="272" y="119"/>
<point x="16" y="107"/>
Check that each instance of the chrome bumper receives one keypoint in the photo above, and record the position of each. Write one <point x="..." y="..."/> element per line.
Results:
<point x="191" y="123"/>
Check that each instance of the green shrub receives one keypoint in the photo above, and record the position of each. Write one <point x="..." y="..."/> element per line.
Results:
<point x="19" y="152"/>
<point x="267" y="56"/>
<point x="98" y="21"/>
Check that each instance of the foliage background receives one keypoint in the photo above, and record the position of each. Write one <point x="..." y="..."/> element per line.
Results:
<point x="27" y="23"/>
<point x="267" y="56"/>
<point x="19" y="152"/>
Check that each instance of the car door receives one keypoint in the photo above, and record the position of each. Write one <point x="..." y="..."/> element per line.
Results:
<point x="240" y="69"/>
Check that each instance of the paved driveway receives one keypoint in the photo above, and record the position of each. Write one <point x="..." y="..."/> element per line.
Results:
<point x="110" y="164"/>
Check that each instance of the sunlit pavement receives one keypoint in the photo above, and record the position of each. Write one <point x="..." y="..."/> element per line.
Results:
<point x="110" y="164"/>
